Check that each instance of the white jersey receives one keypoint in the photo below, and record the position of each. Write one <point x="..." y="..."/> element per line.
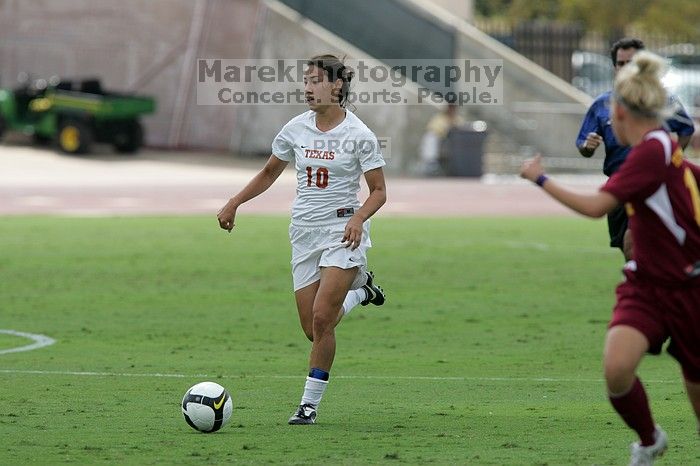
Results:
<point x="329" y="166"/>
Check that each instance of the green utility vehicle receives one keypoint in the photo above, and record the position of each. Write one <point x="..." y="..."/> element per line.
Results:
<point x="74" y="114"/>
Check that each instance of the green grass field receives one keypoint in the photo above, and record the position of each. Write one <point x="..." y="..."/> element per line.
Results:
<point x="487" y="352"/>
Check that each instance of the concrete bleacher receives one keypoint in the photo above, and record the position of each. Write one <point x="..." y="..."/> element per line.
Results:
<point x="540" y="112"/>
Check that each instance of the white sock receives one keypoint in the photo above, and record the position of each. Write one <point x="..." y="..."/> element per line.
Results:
<point x="313" y="391"/>
<point x="353" y="298"/>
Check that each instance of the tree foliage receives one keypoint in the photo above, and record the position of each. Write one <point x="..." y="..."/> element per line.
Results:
<point x="674" y="18"/>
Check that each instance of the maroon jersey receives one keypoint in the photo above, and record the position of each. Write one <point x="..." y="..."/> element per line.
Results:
<point x="660" y="192"/>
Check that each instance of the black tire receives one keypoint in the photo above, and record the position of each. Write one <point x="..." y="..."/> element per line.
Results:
<point x="74" y="137"/>
<point x="41" y="140"/>
<point x="129" y="138"/>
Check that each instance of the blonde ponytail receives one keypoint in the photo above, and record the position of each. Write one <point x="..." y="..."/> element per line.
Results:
<point x="638" y="86"/>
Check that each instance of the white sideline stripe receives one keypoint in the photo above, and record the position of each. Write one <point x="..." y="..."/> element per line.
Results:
<point x="350" y="377"/>
<point x="39" y="341"/>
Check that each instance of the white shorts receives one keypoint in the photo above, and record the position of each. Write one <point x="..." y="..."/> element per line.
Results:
<point x="316" y="247"/>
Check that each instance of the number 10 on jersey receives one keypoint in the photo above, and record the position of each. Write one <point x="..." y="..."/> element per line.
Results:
<point x="321" y="177"/>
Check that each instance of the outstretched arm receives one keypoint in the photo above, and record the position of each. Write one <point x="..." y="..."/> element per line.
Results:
<point x="258" y="185"/>
<point x="376" y="199"/>
<point x="591" y="205"/>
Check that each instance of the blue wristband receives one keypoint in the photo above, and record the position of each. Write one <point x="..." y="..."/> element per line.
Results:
<point x="541" y="179"/>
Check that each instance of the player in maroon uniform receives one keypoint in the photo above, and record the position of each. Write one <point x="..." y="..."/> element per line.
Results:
<point x="660" y="296"/>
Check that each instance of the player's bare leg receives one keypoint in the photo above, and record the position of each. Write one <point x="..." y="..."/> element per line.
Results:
<point x="334" y="286"/>
<point x="370" y="293"/>
<point x="627" y="245"/>
<point x="624" y="348"/>
<point x="327" y="312"/>
<point x="305" y="304"/>
<point x="693" y="390"/>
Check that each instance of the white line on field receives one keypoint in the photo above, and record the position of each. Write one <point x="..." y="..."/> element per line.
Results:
<point x="39" y="341"/>
<point x="301" y="376"/>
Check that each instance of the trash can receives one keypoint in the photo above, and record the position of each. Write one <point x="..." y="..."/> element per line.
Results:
<point x="462" y="150"/>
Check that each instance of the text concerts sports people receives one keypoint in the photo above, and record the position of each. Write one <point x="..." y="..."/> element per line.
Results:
<point x="596" y="129"/>
<point x="331" y="149"/>
<point x="660" y="297"/>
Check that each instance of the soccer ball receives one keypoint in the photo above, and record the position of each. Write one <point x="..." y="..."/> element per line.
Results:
<point x="207" y="407"/>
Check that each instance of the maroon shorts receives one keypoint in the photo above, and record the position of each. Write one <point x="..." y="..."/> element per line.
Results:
<point x="661" y="313"/>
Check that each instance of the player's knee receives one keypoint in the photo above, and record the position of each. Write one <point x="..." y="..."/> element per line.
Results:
<point x="619" y="375"/>
<point x="323" y="321"/>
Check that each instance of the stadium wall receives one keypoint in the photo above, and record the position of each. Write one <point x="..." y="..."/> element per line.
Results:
<point x="133" y="45"/>
<point x="151" y="48"/>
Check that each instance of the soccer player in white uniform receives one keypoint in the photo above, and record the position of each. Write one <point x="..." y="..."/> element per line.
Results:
<point x="331" y="149"/>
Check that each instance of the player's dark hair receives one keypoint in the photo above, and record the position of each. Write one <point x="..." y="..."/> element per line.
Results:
<point x="624" y="44"/>
<point x="335" y="69"/>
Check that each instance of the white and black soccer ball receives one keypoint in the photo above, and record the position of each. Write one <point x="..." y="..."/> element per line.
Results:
<point x="207" y="407"/>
